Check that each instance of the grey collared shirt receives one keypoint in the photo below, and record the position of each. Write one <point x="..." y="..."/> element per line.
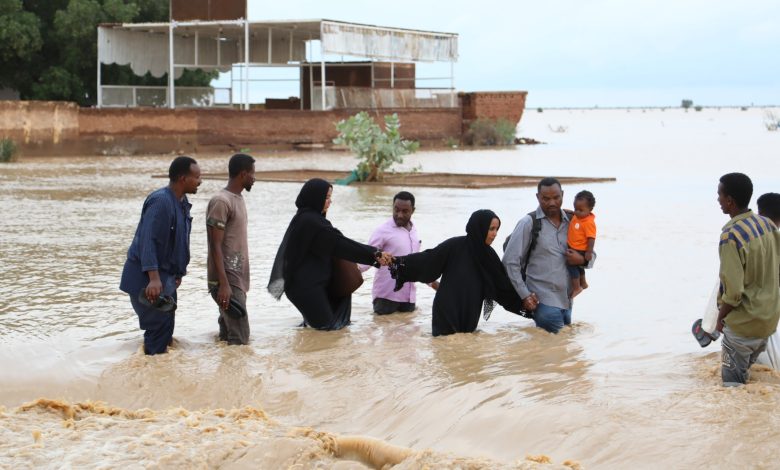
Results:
<point x="546" y="274"/>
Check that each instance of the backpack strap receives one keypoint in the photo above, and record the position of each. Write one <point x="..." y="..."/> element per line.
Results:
<point x="536" y="227"/>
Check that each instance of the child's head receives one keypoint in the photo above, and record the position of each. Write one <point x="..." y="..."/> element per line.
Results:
<point x="769" y="206"/>
<point x="583" y="204"/>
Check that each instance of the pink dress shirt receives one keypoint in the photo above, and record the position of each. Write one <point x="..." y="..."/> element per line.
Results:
<point x="397" y="241"/>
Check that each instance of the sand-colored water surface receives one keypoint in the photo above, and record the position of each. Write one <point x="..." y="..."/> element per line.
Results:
<point x="626" y="386"/>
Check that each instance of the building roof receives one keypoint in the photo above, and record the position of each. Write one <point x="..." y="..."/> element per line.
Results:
<point x="219" y="44"/>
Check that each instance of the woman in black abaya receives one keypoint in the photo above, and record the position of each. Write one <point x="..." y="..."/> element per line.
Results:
<point x="472" y="276"/>
<point x="303" y="267"/>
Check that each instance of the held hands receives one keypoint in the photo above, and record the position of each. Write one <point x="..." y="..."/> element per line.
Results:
<point x="384" y="258"/>
<point x="434" y="285"/>
<point x="531" y="302"/>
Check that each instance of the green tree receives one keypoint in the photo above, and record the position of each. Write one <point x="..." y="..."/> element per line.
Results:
<point x="49" y="47"/>
<point x="20" y="35"/>
<point x="377" y="150"/>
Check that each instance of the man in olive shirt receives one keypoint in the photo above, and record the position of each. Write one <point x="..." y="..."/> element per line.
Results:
<point x="749" y="306"/>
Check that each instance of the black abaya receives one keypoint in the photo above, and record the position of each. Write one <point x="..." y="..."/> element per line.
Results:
<point x="302" y="268"/>
<point x="471" y="276"/>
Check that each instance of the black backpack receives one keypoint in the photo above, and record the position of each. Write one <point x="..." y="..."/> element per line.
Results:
<point x="535" y="229"/>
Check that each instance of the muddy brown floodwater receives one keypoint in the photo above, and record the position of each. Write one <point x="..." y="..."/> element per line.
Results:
<point x="625" y="386"/>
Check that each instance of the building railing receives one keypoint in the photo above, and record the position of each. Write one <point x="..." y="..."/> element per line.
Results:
<point x="116" y="96"/>
<point x="373" y="98"/>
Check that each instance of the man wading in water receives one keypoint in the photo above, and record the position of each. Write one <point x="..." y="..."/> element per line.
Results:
<point x="228" y="257"/>
<point x="159" y="254"/>
<point x="749" y="302"/>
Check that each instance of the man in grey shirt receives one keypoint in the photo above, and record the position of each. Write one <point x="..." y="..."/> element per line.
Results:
<point x="545" y="289"/>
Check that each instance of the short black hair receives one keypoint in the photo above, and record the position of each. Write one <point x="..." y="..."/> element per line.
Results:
<point x="404" y="196"/>
<point x="588" y="197"/>
<point x="769" y="206"/>
<point x="238" y="163"/>
<point x="739" y="187"/>
<point x="549" y="181"/>
<point x="180" y="166"/>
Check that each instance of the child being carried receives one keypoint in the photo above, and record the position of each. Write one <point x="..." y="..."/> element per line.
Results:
<point x="582" y="237"/>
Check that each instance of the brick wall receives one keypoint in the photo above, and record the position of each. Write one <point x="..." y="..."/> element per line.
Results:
<point x="494" y="105"/>
<point x="59" y="128"/>
<point x="39" y="124"/>
<point x="54" y="128"/>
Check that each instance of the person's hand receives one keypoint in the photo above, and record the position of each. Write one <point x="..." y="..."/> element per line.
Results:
<point x="434" y="285"/>
<point x="719" y="326"/>
<point x="385" y="258"/>
<point x="573" y="258"/>
<point x="178" y="282"/>
<point x="531" y="302"/>
<point x="223" y="296"/>
<point x="153" y="290"/>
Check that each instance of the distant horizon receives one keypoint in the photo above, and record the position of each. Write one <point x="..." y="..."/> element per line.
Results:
<point x="619" y="97"/>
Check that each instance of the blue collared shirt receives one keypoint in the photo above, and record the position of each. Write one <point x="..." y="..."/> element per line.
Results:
<point x="161" y="243"/>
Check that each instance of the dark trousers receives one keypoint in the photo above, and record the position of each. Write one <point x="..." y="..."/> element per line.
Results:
<point x="384" y="306"/>
<point x="319" y="310"/>
<point x="231" y="329"/>
<point x="158" y="326"/>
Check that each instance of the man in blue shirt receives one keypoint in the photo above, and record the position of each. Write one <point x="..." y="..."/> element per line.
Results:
<point x="159" y="254"/>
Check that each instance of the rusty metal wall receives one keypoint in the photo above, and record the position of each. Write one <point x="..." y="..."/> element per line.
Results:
<point x="207" y="10"/>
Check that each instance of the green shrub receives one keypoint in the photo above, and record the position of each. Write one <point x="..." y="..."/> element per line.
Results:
<point x="376" y="149"/>
<point x="490" y="132"/>
<point x="697" y="108"/>
<point x="7" y="150"/>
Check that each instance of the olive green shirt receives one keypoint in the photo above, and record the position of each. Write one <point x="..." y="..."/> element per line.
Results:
<point x="750" y="274"/>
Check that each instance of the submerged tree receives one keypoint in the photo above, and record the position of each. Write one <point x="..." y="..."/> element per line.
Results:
<point x="376" y="149"/>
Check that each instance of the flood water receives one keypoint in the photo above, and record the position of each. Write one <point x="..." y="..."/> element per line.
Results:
<point x="625" y="386"/>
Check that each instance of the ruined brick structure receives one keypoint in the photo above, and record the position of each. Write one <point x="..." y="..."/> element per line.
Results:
<point x="61" y="128"/>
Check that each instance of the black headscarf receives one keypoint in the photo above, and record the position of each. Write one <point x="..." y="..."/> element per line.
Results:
<point x="305" y="225"/>
<point x="485" y="258"/>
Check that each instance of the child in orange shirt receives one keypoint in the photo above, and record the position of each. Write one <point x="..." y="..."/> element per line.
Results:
<point x="582" y="237"/>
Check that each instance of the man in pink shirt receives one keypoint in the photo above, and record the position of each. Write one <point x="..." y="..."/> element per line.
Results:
<point x="397" y="236"/>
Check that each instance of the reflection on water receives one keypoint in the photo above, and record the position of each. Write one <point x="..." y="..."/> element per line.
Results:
<point x="625" y="386"/>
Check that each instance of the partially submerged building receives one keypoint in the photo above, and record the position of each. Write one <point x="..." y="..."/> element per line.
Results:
<point x="217" y="36"/>
<point x="337" y="68"/>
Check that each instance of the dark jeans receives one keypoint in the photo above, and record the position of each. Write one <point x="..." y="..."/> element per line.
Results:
<point x="384" y="306"/>
<point x="551" y="318"/>
<point x="157" y="326"/>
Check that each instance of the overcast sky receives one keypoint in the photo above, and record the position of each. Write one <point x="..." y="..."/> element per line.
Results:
<point x="589" y="52"/>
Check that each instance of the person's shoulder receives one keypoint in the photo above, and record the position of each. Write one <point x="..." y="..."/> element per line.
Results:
<point x="454" y="241"/>
<point x="526" y="221"/>
<point x="223" y="195"/>
<point x="387" y="224"/>
<point x="159" y="198"/>
<point x="160" y="193"/>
